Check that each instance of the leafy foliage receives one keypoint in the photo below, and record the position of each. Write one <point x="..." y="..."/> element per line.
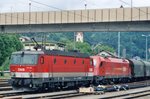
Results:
<point x="133" y="42"/>
<point x="8" y="44"/>
<point x="82" y="47"/>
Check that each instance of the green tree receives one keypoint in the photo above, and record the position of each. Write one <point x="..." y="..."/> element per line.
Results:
<point x="8" y="44"/>
<point x="133" y="42"/>
<point x="86" y="47"/>
<point x="82" y="47"/>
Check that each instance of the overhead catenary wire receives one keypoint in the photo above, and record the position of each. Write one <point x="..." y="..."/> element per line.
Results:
<point x="75" y="13"/>
<point x="61" y="9"/>
<point x="11" y="15"/>
<point x="133" y="6"/>
<point x="25" y="19"/>
<point x="90" y="3"/>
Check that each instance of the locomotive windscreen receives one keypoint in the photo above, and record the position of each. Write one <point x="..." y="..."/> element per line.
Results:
<point x="26" y="59"/>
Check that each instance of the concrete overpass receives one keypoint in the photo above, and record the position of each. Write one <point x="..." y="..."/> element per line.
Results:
<point x="116" y="19"/>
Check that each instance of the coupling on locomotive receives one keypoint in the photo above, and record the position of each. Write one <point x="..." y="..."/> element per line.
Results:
<point x="53" y="69"/>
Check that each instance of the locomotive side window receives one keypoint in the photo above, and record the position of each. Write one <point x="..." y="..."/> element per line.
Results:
<point x="65" y="61"/>
<point x="42" y="60"/>
<point x="82" y="61"/>
<point x="54" y="60"/>
<point x="75" y="61"/>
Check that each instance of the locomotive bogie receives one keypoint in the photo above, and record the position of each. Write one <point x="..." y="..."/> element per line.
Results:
<point x="39" y="84"/>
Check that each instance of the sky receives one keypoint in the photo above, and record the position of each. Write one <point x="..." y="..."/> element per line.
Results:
<point x="49" y="5"/>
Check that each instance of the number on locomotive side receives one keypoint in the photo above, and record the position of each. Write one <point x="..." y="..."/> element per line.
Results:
<point x="21" y="69"/>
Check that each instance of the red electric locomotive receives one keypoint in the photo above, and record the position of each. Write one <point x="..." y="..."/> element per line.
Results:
<point x="109" y="69"/>
<point x="46" y="70"/>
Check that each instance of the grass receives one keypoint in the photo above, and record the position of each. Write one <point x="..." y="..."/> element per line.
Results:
<point x="5" y="67"/>
<point x="6" y="76"/>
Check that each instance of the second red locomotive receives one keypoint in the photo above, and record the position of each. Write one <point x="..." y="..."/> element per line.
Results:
<point x="108" y="69"/>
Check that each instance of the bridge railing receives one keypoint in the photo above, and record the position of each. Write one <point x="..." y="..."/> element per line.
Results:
<point x="76" y="16"/>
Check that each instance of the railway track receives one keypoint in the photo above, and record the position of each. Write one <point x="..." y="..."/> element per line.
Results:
<point x="52" y="95"/>
<point x="144" y="85"/>
<point x="11" y="94"/>
<point x="128" y="94"/>
<point x="133" y="93"/>
<point x="3" y="80"/>
<point x="4" y="83"/>
<point x="5" y="88"/>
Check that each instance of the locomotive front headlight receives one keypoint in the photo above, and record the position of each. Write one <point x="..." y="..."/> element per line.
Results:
<point x="30" y="85"/>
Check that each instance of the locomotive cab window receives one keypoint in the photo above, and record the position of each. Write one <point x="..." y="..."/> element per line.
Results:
<point x="54" y="60"/>
<point x="25" y="59"/>
<point x="101" y="64"/>
<point x="91" y="62"/>
<point x="94" y="62"/>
